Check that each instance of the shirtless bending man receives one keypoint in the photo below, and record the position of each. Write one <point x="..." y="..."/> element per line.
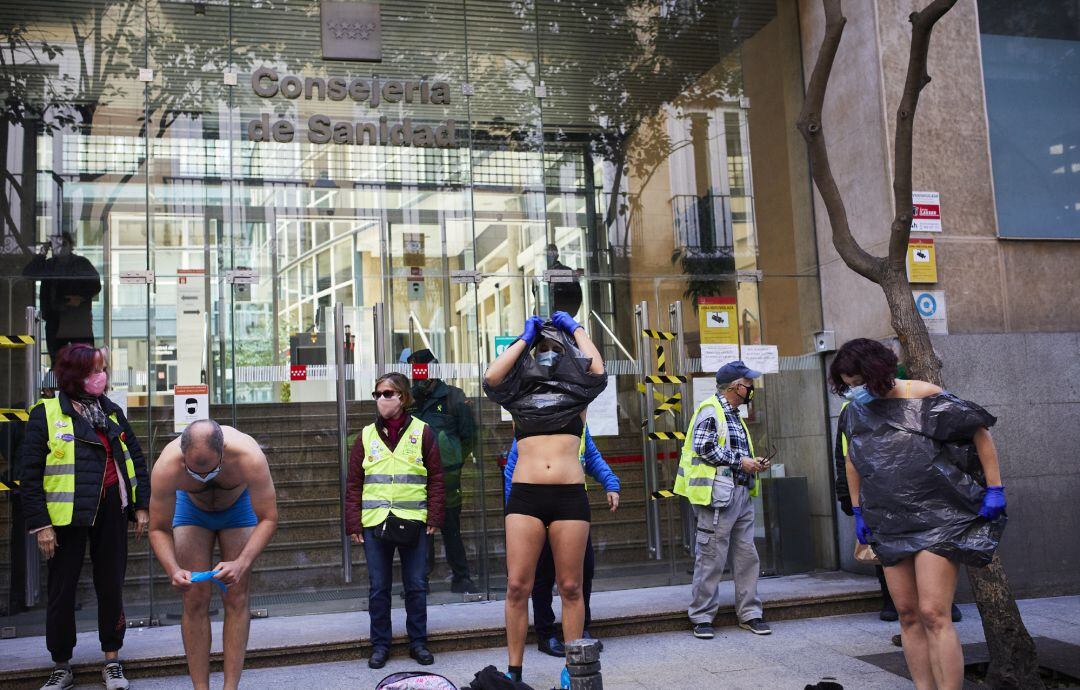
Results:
<point x="212" y="482"/>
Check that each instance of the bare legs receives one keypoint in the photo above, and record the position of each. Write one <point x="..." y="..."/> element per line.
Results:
<point x="568" y="539"/>
<point x="237" y="611"/>
<point x="922" y="588"/>
<point x="525" y="537"/>
<point x="194" y="548"/>
<point x="194" y="551"/>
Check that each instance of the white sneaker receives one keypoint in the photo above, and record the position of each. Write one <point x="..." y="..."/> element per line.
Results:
<point x="59" y="679"/>
<point x="113" y="676"/>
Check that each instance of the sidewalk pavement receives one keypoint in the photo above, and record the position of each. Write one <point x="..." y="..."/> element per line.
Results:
<point x="799" y="652"/>
<point x="342" y="636"/>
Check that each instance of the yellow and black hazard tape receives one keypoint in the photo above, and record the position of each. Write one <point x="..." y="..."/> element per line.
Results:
<point x="663" y="493"/>
<point x="665" y="378"/>
<point x="16" y="340"/>
<point x="657" y="335"/>
<point x="13" y="415"/>
<point x="666" y="436"/>
<point x="5" y="487"/>
<point x="667" y="404"/>
<point x="661" y="359"/>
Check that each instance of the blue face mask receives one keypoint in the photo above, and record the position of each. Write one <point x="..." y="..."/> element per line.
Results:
<point x="547" y="358"/>
<point x="859" y="394"/>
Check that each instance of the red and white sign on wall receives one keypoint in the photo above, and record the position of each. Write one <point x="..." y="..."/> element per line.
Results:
<point x="298" y="372"/>
<point x="925" y="212"/>
<point x="420" y="372"/>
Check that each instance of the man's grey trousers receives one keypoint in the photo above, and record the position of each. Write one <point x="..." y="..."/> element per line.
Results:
<point x="717" y="530"/>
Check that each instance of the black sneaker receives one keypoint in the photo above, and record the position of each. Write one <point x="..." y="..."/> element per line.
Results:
<point x="550" y="645"/>
<point x="378" y="658"/>
<point x="757" y="626"/>
<point x="422" y="655"/>
<point x="704" y="631"/>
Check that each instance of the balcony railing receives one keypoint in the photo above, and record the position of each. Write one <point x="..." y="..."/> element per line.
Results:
<point x="703" y="224"/>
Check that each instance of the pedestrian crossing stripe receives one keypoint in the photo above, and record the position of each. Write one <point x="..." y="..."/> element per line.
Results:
<point x="657" y="335"/>
<point x="5" y="487"/>
<point x="663" y="493"/>
<point x="665" y="378"/>
<point x="13" y="415"/>
<point x="666" y="436"/>
<point x="16" y="340"/>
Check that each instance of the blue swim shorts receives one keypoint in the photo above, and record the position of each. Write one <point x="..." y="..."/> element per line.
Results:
<point x="239" y="514"/>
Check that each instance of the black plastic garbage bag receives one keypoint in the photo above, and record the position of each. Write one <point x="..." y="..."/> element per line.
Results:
<point x="541" y="398"/>
<point x="921" y="486"/>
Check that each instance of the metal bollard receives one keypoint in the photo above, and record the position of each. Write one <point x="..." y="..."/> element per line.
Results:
<point x="583" y="664"/>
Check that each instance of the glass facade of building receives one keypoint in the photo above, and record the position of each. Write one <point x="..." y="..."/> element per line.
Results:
<point x="647" y="146"/>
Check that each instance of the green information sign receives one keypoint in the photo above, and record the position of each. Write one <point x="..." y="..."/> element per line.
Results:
<point x="502" y="342"/>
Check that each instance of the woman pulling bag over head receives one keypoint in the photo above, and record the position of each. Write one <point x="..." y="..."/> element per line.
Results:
<point x="926" y="494"/>
<point x="546" y="380"/>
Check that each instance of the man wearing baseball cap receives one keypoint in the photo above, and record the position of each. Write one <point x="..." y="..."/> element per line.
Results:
<point x="717" y="475"/>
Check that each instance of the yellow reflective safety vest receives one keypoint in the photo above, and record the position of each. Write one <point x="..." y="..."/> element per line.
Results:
<point x="695" y="478"/>
<point x="395" y="481"/>
<point x="59" y="479"/>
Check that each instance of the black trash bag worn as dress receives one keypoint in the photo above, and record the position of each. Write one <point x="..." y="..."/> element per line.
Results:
<point x="920" y="477"/>
<point x="541" y="398"/>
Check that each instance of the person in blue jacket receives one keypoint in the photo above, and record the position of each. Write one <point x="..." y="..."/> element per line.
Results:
<point x="547" y="640"/>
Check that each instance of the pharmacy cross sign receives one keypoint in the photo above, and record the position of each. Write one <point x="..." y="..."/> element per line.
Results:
<point x="351" y="30"/>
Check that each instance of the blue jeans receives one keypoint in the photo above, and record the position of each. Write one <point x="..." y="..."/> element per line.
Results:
<point x="380" y="563"/>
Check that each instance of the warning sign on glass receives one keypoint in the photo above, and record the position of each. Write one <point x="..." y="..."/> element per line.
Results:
<point x="925" y="212"/>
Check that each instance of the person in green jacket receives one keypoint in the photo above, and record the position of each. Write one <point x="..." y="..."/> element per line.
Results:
<point x="447" y="411"/>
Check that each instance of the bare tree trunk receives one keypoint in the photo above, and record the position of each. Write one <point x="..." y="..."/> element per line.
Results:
<point x="1013" y="659"/>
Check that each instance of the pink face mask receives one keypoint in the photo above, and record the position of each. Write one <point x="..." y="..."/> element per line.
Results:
<point x="95" y="383"/>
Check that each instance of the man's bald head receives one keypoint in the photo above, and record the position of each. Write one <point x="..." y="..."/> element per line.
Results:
<point x="202" y="444"/>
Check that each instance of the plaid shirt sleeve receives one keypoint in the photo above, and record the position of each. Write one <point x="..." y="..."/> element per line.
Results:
<point x="706" y="446"/>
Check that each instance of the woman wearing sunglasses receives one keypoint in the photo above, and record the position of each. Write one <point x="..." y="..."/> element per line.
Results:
<point x="83" y="480"/>
<point x="394" y="495"/>
<point x="559" y="368"/>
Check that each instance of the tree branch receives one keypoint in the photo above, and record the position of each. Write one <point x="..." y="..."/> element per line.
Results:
<point x="922" y="25"/>
<point x="809" y="124"/>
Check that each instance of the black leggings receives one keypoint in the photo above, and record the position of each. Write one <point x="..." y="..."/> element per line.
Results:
<point x="549" y="502"/>
<point x="108" y="552"/>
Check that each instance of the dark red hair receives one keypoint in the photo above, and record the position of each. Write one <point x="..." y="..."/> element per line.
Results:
<point x="74" y="364"/>
<point x="871" y="360"/>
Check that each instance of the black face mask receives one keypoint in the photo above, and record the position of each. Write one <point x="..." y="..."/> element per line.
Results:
<point x="424" y="387"/>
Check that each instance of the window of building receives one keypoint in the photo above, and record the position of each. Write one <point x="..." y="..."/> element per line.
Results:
<point x="1031" y="68"/>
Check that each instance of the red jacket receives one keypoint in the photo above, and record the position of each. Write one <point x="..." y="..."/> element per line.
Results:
<point x="354" y="486"/>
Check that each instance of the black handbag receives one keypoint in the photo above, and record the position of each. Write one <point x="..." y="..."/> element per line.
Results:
<point x="398" y="531"/>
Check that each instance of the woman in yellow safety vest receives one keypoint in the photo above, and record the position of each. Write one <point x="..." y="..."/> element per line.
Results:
<point x="547" y="501"/>
<point x="83" y="479"/>
<point x="394" y="494"/>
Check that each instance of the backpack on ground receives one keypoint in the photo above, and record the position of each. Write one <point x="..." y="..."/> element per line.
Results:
<point x="415" y="680"/>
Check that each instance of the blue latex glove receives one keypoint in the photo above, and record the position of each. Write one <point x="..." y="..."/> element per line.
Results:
<point x="862" y="532"/>
<point x="565" y="323"/>
<point x="208" y="576"/>
<point x="533" y="326"/>
<point x="564" y="679"/>
<point x="993" y="503"/>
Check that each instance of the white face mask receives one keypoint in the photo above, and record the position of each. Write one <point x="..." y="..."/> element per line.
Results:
<point x="201" y="478"/>
<point x="204" y="478"/>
